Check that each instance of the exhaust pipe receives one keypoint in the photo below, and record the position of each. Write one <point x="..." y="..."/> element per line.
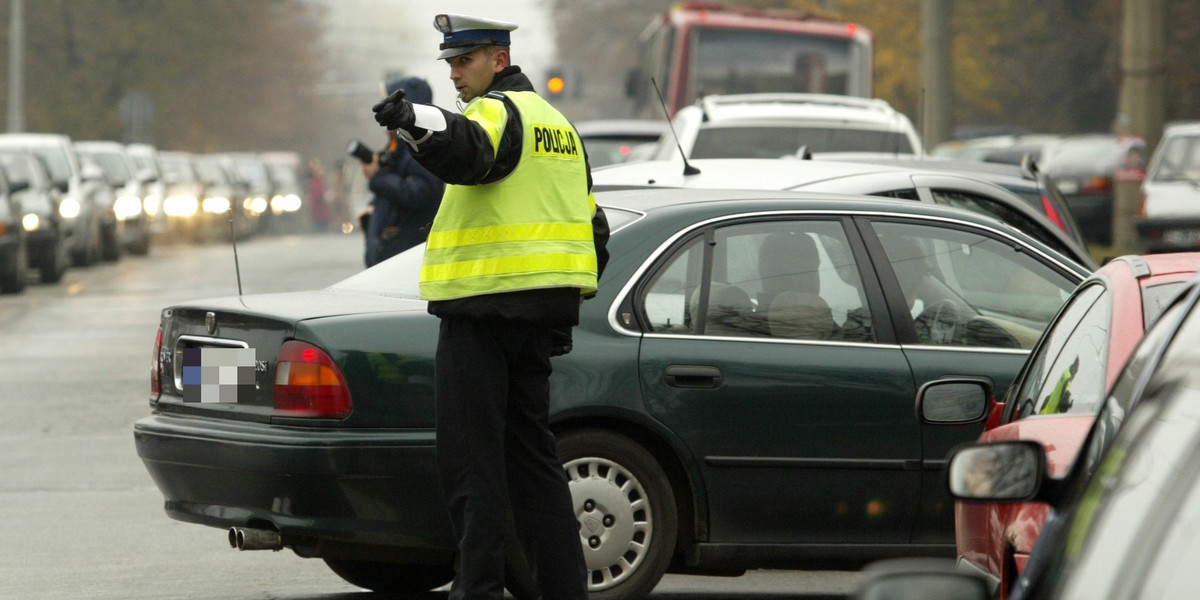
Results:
<point x="254" y="539"/>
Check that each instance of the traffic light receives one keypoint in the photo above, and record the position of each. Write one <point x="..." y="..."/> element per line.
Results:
<point x="556" y="83"/>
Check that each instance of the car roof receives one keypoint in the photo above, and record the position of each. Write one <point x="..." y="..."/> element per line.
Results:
<point x="621" y="127"/>
<point x="783" y="174"/>
<point x="1182" y="127"/>
<point x="718" y="201"/>
<point x="33" y="138"/>
<point x="1008" y="175"/>
<point x="742" y="108"/>
<point x="101" y="145"/>
<point x="748" y="173"/>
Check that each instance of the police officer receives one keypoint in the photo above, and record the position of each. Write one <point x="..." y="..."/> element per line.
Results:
<point x="405" y="195"/>
<point x="515" y="244"/>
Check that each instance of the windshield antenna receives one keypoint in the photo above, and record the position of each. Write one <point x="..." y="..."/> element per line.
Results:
<point x="233" y="238"/>
<point x="688" y="169"/>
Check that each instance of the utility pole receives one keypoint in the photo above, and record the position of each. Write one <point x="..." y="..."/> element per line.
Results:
<point x="1141" y="108"/>
<point x="16" y="67"/>
<point x="937" y="82"/>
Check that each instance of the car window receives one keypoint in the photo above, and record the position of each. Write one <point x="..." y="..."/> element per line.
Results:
<point x="777" y="142"/>
<point x="904" y="194"/>
<point x="771" y="279"/>
<point x="211" y="173"/>
<point x="1179" y="160"/>
<point x="1121" y="397"/>
<point x="1002" y="212"/>
<point x="1067" y="373"/>
<point x="967" y="289"/>
<point x="176" y="170"/>
<point x="1156" y="299"/>
<point x="116" y="170"/>
<point x="16" y="167"/>
<point x="56" y="162"/>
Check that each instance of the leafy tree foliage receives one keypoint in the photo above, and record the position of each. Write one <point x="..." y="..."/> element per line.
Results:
<point x="222" y="74"/>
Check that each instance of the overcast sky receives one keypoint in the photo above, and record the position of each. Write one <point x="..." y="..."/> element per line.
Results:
<point x="378" y="36"/>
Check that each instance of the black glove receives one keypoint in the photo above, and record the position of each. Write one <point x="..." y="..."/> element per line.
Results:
<point x="394" y="112"/>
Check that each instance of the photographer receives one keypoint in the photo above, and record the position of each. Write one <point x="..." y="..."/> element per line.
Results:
<point x="405" y="196"/>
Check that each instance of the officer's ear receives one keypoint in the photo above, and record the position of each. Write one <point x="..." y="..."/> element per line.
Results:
<point x="500" y="59"/>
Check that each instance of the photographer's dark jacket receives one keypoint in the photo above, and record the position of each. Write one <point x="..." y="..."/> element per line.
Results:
<point x="405" y="199"/>
<point x="463" y="154"/>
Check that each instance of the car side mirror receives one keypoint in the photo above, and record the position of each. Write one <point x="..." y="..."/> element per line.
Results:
<point x="998" y="472"/>
<point x="954" y="401"/>
<point x="923" y="578"/>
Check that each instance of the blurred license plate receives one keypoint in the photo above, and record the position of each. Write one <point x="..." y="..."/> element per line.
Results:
<point x="1182" y="237"/>
<point x="218" y="375"/>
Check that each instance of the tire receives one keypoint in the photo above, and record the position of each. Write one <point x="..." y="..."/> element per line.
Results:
<point x="392" y="578"/>
<point x="628" y="520"/>
<point x="110" y="248"/>
<point x="54" y="263"/>
<point x="141" y="247"/>
<point x="89" y="254"/>
<point x="12" y="274"/>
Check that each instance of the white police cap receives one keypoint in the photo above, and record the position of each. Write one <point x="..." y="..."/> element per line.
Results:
<point x="462" y="34"/>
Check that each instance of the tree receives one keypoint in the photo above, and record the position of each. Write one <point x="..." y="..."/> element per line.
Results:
<point x="222" y="74"/>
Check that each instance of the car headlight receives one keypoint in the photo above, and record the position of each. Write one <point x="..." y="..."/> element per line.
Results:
<point x="151" y="204"/>
<point x="216" y="204"/>
<point x="256" y="205"/>
<point x="180" y="206"/>
<point x="127" y="207"/>
<point x="282" y="204"/>
<point x="31" y="222"/>
<point x="69" y="208"/>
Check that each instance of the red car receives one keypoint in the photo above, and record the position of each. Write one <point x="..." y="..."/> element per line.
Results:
<point x="1058" y="392"/>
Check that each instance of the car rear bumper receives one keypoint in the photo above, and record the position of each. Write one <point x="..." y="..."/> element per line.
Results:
<point x="1168" y="234"/>
<point x="369" y="488"/>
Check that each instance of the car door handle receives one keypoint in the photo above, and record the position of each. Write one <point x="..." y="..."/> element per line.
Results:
<point x="694" y="376"/>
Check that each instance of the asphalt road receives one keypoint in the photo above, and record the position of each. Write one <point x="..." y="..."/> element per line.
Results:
<point x="81" y="517"/>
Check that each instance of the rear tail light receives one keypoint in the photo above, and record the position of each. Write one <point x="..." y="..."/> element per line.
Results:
<point x="156" y="368"/>
<point x="1052" y="213"/>
<point x="1096" y="185"/>
<point x="309" y="384"/>
<point x="1142" y="206"/>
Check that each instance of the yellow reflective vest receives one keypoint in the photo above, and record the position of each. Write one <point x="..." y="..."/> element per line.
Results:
<point x="530" y="230"/>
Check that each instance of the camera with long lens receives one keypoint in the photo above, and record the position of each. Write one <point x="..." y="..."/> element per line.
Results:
<point x="360" y="151"/>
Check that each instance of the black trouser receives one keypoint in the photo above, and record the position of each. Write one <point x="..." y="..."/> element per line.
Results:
<point x="495" y="451"/>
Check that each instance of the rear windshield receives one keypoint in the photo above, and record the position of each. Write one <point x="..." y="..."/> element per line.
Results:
<point x="1156" y="299"/>
<point x="778" y="142"/>
<point x="1179" y="160"/>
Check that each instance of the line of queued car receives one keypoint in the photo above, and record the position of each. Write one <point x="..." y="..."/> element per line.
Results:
<point x="72" y="203"/>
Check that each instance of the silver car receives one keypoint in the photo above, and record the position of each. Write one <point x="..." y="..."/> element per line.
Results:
<point x="906" y="183"/>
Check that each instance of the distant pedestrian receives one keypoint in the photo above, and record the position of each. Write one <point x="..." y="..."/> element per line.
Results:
<point x="318" y="203"/>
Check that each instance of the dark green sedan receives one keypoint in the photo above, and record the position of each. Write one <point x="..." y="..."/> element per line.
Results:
<point x="740" y="393"/>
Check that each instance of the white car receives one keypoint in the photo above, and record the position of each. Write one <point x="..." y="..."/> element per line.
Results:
<point x="87" y="200"/>
<point x="783" y="125"/>
<point x="129" y="188"/>
<point x="1170" y="213"/>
